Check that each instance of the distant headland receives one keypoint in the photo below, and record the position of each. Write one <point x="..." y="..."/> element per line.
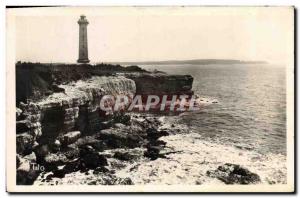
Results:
<point x="191" y="62"/>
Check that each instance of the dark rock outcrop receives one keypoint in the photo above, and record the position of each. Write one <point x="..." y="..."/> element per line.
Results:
<point x="91" y="159"/>
<point x="25" y="143"/>
<point x="56" y="159"/>
<point x="234" y="174"/>
<point x="26" y="173"/>
<point x="161" y="84"/>
<point x="91" y="141"/>
<point x="125" y="155"/>
<point x="69" y="138"/>
<point x="153" y="152"/>
<point x="121" y="138"/>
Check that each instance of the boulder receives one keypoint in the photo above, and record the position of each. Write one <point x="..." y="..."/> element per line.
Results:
<point x="91" y="159"/>
<point x="26" y="174"/>
<point x="41" y="151"/>
<point x="121" y="137"/>
<point x="121" y="118"/>
<point x="160" y="83"/>
<point x="56" y="146"/>
<point x="154" y="134"/>
<point x="125" y="155"/>
<point x="69" y="138"/>
<point x="234" y="174"/>
<point x="59" y="173"/>
<point x="158" y="143"/>
<point x="72" y="166"/>
<point x="125" y="181"/>
<point x="56" y="159"/>
<point x="153" y="152"/>
<point x="21" y="126"/>
<point x="97" y="144"/>
<point x="119" y="125"/>
<point x="70" y="152"/>
<point x="25" y="142"/>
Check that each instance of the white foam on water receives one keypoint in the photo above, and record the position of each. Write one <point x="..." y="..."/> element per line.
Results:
<point x="195" y="156"/>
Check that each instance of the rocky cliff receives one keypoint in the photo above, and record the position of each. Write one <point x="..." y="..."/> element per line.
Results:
<point x="161" y="84"/>
<point x="34" y="81"/>
<point x="58" y="104"/>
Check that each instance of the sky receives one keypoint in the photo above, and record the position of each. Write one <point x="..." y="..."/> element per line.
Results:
<point x="154" y="34"/>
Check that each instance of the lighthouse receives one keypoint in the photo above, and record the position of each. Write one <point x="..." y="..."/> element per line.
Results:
<point x="83" y="43"/>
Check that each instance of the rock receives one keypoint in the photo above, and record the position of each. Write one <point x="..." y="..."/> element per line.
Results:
<point x="24" y="142"/>
<point x="107" y="124"/>
<point x="92" y="159"/>
<point x="234" y="174"/>
<point x="161" y="84"/>
<point x="158" y="143"/>
<point x="119" y="125"/>
<point x="121" y="118"/>
<point x="154" y="134"/>
<point x="90" y="141"/>
<point x="21" y="126"/>
<point x="45" y="79"/>
<point x="41" y="151"/>
<point x="70" y="116"/>
<point x="35" y="144"/>
<point x="153" y="152"/>
<point x="110" y="179"/>
<point x="56" y="88"/>
<point x="56" y="159"/>
<point x="69" y="138"/>
<point x="49" y="177"/>
<point x="126" y="181"/>
<point x="56" y="146"/>
<point x="100" y="169"/>
<point x="71" y="152"/>
<point x="92" y="183"/>
<point x="120" y="138"/>
<point x="57" y="143"/>
<point x="72" y="166"/>
<point x="59" y="173"/>
<point x="26" y="175"/>
<point x="125" y="156"/>
<point x="18" y="161"/>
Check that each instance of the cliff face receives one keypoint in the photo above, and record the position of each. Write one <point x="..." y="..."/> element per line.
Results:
<point x="76" y="108"/>
<point x="161" y="84"/>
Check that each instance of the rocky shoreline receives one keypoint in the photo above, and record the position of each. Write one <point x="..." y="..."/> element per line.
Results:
<point x="86" y="154"/>
<point x="101" y="158"/>
<point x="63" y="134"/>
<point x="59" y="122"/>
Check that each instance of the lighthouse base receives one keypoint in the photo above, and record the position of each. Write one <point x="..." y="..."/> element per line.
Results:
<point x="83" y="61"/>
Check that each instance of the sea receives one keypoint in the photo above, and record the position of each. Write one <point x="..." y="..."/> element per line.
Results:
<point x="247" y="126"/>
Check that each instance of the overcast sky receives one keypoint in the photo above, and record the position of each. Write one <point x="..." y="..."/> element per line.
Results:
<point x="141" y="34"/>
